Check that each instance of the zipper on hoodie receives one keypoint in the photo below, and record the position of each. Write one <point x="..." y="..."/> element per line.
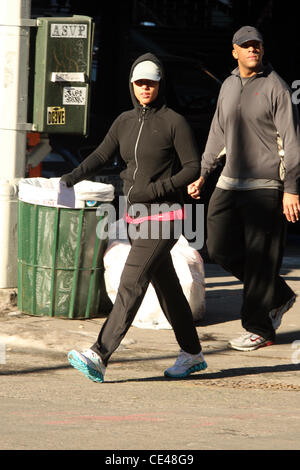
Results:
<point x="141" y="120"/>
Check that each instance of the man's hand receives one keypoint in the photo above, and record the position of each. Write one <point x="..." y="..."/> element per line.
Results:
<point x="291" y="206"/>
<point x="194" y="188"/>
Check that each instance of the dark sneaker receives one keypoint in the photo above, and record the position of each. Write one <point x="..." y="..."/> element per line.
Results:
<point x="277" y="313"/>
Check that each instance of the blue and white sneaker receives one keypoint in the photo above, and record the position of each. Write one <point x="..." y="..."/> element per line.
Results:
<point x="89" y="363"/>
<point x="186" y="364"/>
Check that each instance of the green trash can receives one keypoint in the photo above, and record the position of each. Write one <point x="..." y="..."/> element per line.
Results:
<point x="60" y="261"/>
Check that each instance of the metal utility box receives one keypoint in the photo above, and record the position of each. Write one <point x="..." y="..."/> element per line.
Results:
<point x="62" y="74"/>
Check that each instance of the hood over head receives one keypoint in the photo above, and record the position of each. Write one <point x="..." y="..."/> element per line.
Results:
<point x="156" y="72"/>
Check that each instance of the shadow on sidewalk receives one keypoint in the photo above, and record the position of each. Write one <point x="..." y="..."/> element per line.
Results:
<point x="221" y="306"/>
<point x="288" y="338"/>
<point x="222" y="374"/>
<point x="282" y="338"/>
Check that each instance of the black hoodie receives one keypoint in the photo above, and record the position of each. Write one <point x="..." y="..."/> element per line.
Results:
<point x="156" y="144"/>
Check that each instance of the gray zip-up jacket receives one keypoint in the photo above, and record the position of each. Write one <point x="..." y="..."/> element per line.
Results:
<point x="246" y="123"/>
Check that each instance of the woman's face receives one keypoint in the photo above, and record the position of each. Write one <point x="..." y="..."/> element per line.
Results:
<point x="145" y="91"/>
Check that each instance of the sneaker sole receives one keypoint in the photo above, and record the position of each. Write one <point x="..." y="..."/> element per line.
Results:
<point x="195" y="368"/>
<point x="89" y="372"/>
<point x="252" y="348"/>
<point x="277" y="321"/>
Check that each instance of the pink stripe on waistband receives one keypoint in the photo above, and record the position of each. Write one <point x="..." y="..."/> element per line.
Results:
<point x="164" y="217"/>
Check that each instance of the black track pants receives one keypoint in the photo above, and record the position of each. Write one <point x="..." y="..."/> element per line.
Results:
<point x="246" y="236"/>
<point x="149" y="260"/>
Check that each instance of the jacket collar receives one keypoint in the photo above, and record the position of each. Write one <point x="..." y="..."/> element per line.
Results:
<point x="266" y="69"/>
<point x="147" y="111"/>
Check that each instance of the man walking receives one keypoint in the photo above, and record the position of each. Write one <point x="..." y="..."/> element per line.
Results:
<point x="257" y="190"/>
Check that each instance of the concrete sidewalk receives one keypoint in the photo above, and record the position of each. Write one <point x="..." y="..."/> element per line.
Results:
<point x="244" y="400"/>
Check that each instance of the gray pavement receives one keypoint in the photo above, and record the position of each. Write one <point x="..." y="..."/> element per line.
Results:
<point x="246" y="400"/>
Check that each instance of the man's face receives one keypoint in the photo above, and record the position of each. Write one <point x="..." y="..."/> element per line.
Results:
<point x="249" y="56"/>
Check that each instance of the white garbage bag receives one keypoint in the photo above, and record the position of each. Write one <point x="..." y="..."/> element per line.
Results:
<point x="189" y="267"/>
<point x="55" y="193"/>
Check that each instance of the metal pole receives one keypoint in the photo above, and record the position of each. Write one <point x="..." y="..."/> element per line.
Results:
<point x="14" y="56"/>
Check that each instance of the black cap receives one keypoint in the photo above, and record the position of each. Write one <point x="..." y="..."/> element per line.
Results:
<point x="246" y="33"/>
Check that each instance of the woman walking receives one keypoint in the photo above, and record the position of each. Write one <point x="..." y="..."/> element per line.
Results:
<point x="161" y="159"/>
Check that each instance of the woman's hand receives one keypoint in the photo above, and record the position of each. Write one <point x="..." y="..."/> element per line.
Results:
<point x="142" y="190"/>
<point x="194" y="188"/>
<point x="147" y="191"/>
<point x="68" y="180"/>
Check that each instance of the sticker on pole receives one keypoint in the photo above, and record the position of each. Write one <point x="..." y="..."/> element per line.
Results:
<point x="68" y="77"/>
<point x="62" y="30"/>
<point x="74" y="95"/>
<point x="56" y="116"/>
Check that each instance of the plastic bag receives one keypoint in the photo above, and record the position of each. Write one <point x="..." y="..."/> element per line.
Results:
<point x="189" y="267"/>
<point x="53" y="192"/>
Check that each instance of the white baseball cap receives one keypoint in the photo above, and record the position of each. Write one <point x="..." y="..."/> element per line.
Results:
<point x="146" y="70"/>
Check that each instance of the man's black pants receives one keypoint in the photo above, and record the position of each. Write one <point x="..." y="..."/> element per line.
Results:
<point x="149" y="260"/>
<point x="246" y="236"/>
